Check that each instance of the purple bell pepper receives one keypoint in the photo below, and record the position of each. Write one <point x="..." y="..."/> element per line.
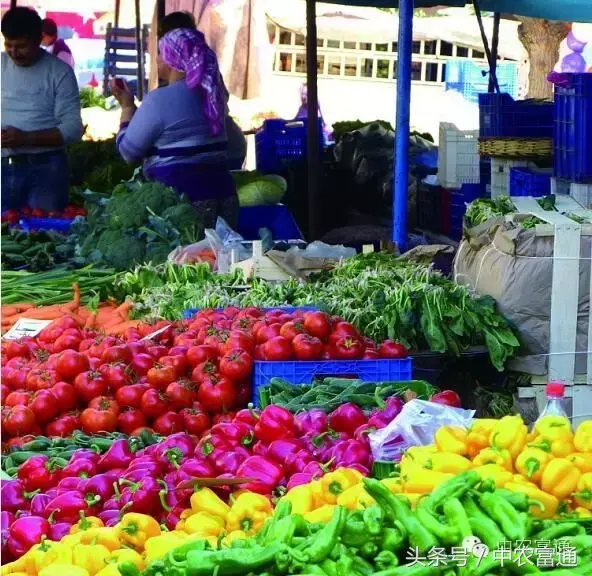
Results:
<point x="143" y="495"/>
<point x="297" y="461"/>
<point x="6" y="519"/>
<point x="24" y="533"/>
<point x="229" y="462"/>
<point x="119" y="455"/>
<point x="67" y="506"/>
<point x="312" y="421"/>
<point x="280" y="450"/>
<point x="80" y="468"/>
<point x="110" y="517"/>
<point x="14" y="497"/>
<point x="350" y="452"/>
<point x="39" y="503"/>
<point x="298" y="479"/>
<point x="57" y="530"/>
<point x="100" y="486"/>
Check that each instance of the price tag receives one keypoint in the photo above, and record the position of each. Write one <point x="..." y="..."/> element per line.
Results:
<point x="26" y="327"/>
<point x="156" y="333"/>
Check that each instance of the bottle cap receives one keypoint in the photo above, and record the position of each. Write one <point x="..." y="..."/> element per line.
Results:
<point x="555" y="390"/>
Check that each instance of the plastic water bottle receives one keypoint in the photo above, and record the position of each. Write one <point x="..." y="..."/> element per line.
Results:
<point x="555" y="406"/>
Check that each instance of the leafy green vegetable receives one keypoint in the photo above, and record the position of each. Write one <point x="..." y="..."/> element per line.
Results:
<point x="256" y="189"/>
<point x="90" y="98"/>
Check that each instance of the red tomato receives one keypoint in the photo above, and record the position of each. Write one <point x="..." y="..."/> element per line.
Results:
<point x="38" y="213"/>
<point x="63" y="426"/>
<point x="141" y="363"/>
<point x="317" y="324"/>
<point x="19" y="421"/>
<point x="447" y="398"/>
<point x="89" y="384"/>
<point x="390" y="349"/>
<point x="94" y="421"/>
<point x="154" y="403"/>
<point x="161" y="376"/>
<point x="119" y="353"/>
<point x="168" y="423"/>
<point x="236" y="365"/>
<point x="14" y="349"/>
<point x="291" y="329"/>
<point x="345" y="329"/>
<point x="141" y="429"/>
<point x="130" y="419"/>
<point x="137" y="347"/>
<point x="18" y="398"/>
<point x="348" y="348"/>
<point x="278" y="348"/>
<point x="11" y="216"/>
<point x="131" y="396"/>
<point x="65" y="396"/>
<point x="217" y="394"/>
<point x="370" y="354"/>
<point x="104" y="403"/>
<point x="115" y="375"/>
<point x="66" y="342"/>
<point x="266" y="333"/>
<point x="240" y="341"/>
<point x="70" y="363"/>
<point x="44" y="406"/>
<point x="38" y="379"/>
<point x="100" y="345"/>
<point x="182" y="394"/>
<point x="4" y="392"/>
<point x="204" y="370"/>
<point x="179" y="363"/>
<point x="307" y="347"/>
<point x="157" y="351"/>
<point x="14" y="378"/>
<point x="198" y="354"/>
<point x="195" y="421"/>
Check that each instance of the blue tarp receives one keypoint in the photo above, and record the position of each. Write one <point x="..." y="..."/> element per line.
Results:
<point x="565" y="10"/>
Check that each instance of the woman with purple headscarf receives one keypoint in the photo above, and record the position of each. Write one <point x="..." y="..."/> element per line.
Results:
<point x="179" y="130"/>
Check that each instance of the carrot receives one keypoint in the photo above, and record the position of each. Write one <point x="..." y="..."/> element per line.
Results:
<point x="90" y="321"/>
<point x="122" y="327"/>
<point x="9" y="310"/>
<point x="76" y="300"/>
<point x="124" y="309"/>
<point x="22" y="306"/>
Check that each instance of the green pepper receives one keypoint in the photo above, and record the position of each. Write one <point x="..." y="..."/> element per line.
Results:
<point x="386" y="559"/>
<point x="456" y="487"/>
<point x="411" y="570"/>
<point x="329" y="566"/>
<point x="482" y="525"/>
<point x="313" y="569"/>
<point x="457" y="516"/>
<point x="393" y="540"/>
<point x="448" y="535"/>
<point x="363" y="567"/>
<point x="128" y="569"/>
<point x="512" y="523"/>
<point x="369" y="550"/>
<point x="231" y="561"/>
<point x="582" y="543"/>
<point x="419" y="536"/>
<point x="561" y="529"/>
<point x="373" y="517"/>
<point x="323" y="542"/>
<point x="354" y="532"/>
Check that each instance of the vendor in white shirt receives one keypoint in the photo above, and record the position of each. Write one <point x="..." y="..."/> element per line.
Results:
<point x="53" y="44"/>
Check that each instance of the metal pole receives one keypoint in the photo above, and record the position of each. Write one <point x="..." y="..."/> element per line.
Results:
<point x="160" y="13"/>
<point x="492" y="64"/>
<point x="12" y="4"/>
<point x="117" y="10"/>
<point x="401" y="164"/>
<point x="139" y="52"/>
<point x="313" y="116"/>
<point x="494" y="49"/>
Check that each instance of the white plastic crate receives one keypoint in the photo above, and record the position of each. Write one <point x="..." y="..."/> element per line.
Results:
<point x="500" y="174"/>
<point x="581" y="193"/>
<point x="458" y="156"/>
<point x="559" y="186"/>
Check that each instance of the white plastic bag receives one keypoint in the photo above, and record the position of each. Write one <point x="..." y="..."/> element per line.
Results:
<point x="415" y="425"/>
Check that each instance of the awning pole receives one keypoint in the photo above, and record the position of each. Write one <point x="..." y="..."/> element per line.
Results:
<point x="12" y="4"/>
<point x="494" y="49"/>
<point x="312" y="108"/>
<point x="160" y="12"/>
<point x="490" y="60"/>
<point x="401" y="164"/>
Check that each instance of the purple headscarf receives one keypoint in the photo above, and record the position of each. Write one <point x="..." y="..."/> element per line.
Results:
<point x="186" y="50"/>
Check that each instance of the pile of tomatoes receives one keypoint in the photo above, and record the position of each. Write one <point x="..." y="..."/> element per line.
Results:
<point x="70" y="211"/>
<point x="169" y="377"/>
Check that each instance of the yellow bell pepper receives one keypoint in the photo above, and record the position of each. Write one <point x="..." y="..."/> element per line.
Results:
<point x="559" y="448"/>
<point x="233" y="537"/>
<point x="45" y="554"/>
<point x="248" y="513"/>
<point x="204" y="524"/>
<point x="337" y="482"/>
<point x="134" y="529"/>
<point x="206" y="500"/>
<point x="582" y="461"/>
<point x="71" y="540"/>
<point x="583" y="512"/>
<point x="90" y="557"/>
<point x="318" y="496"/>
<point x="501" y="476"/>
<point x="583" y="496"/>
<point x="301" y="498"/>
<point x="86" y="523"/>
<point x="447" y="462"/>
<point x="531" y="462"/>
<point x="478" y="436"/>
<point x="519" y="479"/>
<point x="63" y="569"/>
<point x="583" y="437"/>
<point x="548" y="500"/>
<point x="509" y="433"/>
<point x="321" y="515"/>
<point x="349" y="498"/>
<point x="127" y="555"/>
<point x="424" y="481"/>
<point x="365" y="500"/>
<point x="560" y="478"/>
<point x="418" y="454"/>
<point x="159" y="546"/>
<point x="109" y="570"/>
<point x="12" y="568"/>
<point x="395" y="485"/>
<point x="108" y="537"/>
<point x="499" y="456"/>
<point x="452" y="439"/>
<point x="554" y="428"/>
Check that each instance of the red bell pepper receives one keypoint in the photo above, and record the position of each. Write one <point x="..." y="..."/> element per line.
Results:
<point x="266" y="474"/>
<point x="247" y="416"/>
<point x="175" y="448"/>
<point x="39" y="503"/>
<point x="119" y="455"/>
<point x="300" y="478"/>
<point x="347" y="418"/>
<point x="110" y="517"/>
<point x="274" y="423"/>
<point x="235" y="433"/>
<point x="26" y="532"/>
<point x="38" y="473"/>
<point x="100" y="486"/>
<point x="14" y="497"/>
<point x="81" y="468"/>
<point x="142" y="496"/>
<point x="67" y="506"/>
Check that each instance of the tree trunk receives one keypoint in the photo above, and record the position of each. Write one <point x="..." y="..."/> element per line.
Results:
<point x="541" y="39"/>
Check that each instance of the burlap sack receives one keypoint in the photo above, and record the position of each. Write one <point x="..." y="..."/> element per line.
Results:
<point x="515" y="267"/>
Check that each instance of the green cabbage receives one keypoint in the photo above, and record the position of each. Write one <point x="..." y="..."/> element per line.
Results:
<point x="260" y="190"/>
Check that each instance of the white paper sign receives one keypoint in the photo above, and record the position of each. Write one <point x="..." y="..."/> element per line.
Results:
<point x="156" y="333"/>
<point x="26" y="327"/>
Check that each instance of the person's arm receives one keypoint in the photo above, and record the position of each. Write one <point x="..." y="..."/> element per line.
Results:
<point x="139" y="130"/>
<point x="67" y="58"/>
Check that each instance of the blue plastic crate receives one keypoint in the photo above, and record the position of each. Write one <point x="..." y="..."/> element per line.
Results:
<point x="485" y="171"/>
<point x="382" y="370"/>
<point x="56" y="224"/>
<point x="573" y="129"/>
<point x="281" y="142"/>
<point x="472" y="79"/>
<point x="191" y="312"/>
<point x="277" y="218"/>
<point x="500" y="116"/>
<point x="528" y="182"/>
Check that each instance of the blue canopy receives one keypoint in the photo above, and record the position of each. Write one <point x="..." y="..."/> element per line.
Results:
<point x="564" y="10"/>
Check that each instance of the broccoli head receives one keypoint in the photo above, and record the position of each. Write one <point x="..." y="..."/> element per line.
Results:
<point x="156" y="197"/>
<point x="185" y="218"/>
<point x="120" y="250"/>
<point x="157" y="252"/>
